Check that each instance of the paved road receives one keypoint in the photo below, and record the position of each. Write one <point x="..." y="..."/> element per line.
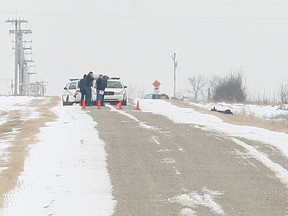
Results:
<point x="159" y="167"/>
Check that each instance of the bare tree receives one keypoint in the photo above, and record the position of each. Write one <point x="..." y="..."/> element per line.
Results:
<point x="283" y="93"/>
<point x="198" y="83"/>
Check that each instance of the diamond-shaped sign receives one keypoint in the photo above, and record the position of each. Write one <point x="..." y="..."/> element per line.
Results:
<point x="156" y="83"/>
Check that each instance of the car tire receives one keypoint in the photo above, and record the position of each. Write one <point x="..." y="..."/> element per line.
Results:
<point x="66" y="103"/>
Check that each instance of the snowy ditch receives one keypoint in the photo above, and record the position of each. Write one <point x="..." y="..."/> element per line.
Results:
<point x="72" y="161"/>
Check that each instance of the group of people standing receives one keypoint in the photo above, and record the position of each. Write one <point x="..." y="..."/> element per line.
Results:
<point x="86" y="83"/>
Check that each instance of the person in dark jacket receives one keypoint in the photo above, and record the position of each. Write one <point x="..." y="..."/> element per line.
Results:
<point x="88" y="84"/>
<point x="82" y="89"/>
<point x="104" y="85"/>
<point x="99" y="88"/>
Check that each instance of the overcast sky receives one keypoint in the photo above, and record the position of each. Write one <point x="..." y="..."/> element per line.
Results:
<point x="135" y="39"/>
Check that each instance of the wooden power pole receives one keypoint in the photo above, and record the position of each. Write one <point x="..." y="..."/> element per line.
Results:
<point x="174" y="69"/>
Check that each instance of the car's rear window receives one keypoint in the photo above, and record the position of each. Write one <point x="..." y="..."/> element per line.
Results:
<point x="114" y="84"/>
<point x="73" y="85"/>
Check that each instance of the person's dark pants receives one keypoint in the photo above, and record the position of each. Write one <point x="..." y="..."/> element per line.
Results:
<point x="88" y="95"/>
<point x="99" y="97"/>
<point x="82" y="97"/>
<point x="102" y="100"/>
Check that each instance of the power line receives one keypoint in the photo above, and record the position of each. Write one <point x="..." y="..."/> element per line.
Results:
<point x="180" y="17"/>
<point x="190" y="2"/>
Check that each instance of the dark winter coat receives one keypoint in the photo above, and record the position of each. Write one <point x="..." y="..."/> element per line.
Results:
<point x="104" y="83"/>
<point x="99" y="84"/>
<point x="89" y="81"/>
<point x="82" y="85"/>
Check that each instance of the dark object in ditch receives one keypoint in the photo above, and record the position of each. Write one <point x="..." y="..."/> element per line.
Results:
<point x="227" y="111"/>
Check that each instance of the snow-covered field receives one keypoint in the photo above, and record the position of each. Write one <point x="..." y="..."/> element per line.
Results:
<point x="53" y="176"/>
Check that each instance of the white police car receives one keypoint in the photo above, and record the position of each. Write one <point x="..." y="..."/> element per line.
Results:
<point x="115" y="91"/>
<point x="71" y="93"/>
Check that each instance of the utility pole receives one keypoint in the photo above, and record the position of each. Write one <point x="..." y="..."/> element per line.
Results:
<point x="174" y="67"/>
<point x="28" y="73"/>
<point x="21" y="73"/>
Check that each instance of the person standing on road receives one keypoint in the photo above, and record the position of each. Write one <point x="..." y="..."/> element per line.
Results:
<point x="88" y="84"/>
<point x="82" y="89"/>
<point x="99" y="88"/>
<point x="104" y="85"/>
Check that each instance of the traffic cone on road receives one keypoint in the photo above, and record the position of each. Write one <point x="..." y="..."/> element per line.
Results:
<point x="120" y="104"/>
<point x="83" y="104"/>
<point x="99" y="104"/>
<point x="137" y="106"/>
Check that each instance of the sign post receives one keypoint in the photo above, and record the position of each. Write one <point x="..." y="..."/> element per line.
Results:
<point x="156" y="85"/>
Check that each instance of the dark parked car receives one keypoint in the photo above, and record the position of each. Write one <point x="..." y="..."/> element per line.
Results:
<point x="157" y="96"/>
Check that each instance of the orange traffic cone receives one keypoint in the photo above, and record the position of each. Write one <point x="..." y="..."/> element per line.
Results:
<point x="137" y="106"/>
<point x="120" y="104"/>
<point x="83" y="104"/>
<point x="99" y="104"/>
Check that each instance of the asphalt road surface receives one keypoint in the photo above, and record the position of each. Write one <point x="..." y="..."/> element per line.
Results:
<point x="158" y="167"/>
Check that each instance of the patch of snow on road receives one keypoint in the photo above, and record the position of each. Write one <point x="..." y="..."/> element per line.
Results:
<point x="66" y="172"/>
<point x="187" y="212"/>
<point x="279" y="171"/>
<point x="193" y="199"/>
<point x="155" y="139"/>
<point x="168" y="160"/>
<point x="142" y="124"/>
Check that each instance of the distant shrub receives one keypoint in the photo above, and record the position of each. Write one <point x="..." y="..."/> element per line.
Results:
<point x="231" y="89"/>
